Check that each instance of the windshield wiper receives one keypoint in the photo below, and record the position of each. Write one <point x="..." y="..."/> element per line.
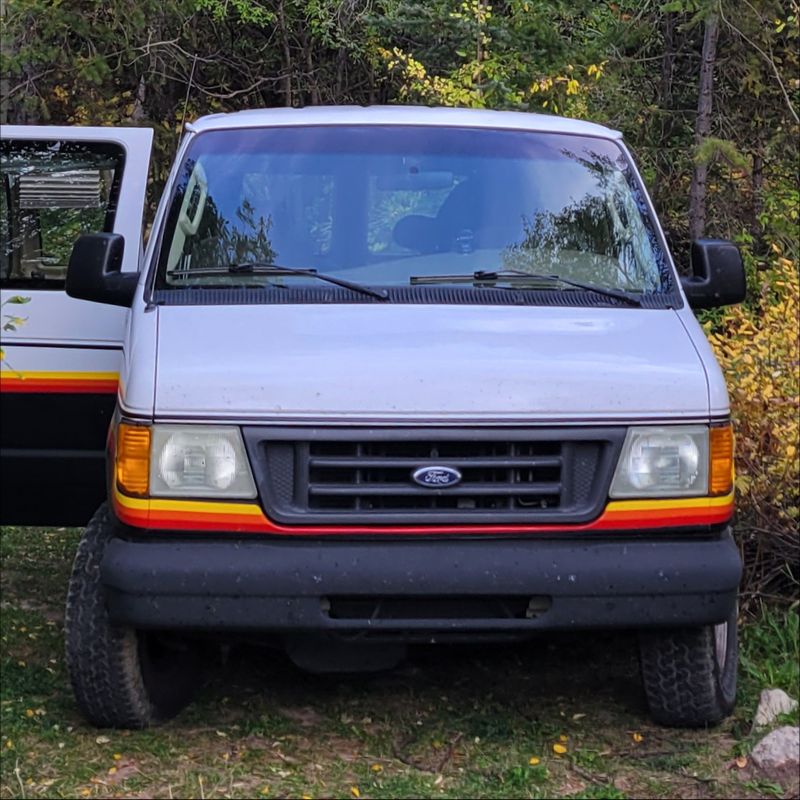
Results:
<point x="276" y="270"/>
<point x="518" y="279"/>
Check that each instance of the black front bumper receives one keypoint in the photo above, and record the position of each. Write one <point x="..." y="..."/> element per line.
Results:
<point x="290" y="586"/>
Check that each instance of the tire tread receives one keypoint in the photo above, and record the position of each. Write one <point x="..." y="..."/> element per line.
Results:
<point x="102" y="658"/>
<point x="683" y="683"/>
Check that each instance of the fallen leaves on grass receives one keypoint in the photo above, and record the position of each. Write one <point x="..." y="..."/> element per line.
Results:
<point x="559" y="749"/>
<point x="637" y="737"/>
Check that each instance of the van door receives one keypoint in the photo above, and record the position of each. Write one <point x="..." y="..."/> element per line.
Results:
<point x="60" y="356"/>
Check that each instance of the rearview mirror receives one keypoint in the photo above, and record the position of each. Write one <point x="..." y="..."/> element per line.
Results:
<point x="94" y="270"/>
<point x="718" y="277"/>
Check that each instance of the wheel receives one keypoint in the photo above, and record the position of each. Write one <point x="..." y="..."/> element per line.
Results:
<point x="689" y="674"/>
<point x="122" y="678"/>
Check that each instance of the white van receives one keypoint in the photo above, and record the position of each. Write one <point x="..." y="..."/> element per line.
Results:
<point x="382" y="376"/>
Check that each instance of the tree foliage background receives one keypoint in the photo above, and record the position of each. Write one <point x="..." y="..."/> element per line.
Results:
<point x="706" y="93"/>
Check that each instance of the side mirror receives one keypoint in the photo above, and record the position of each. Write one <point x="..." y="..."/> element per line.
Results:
<point x="94" y="270"/>
<point x="718" y="277"/>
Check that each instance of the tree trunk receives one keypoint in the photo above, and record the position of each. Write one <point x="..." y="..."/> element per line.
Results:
<point x="287" y="57"/>
<point x="757" y="187"/>
<point x="138" y="114"/>
<point x="667" y="71"/>
<point x="697" y="193"/>
<point x="5" y="49"/>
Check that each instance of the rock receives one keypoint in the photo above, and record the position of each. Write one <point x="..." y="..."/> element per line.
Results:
<point x="771" y="705"/>
<point x="778" y="750"/>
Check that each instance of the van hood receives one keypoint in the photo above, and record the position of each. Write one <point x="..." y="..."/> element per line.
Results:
<point x="425" y="363"/>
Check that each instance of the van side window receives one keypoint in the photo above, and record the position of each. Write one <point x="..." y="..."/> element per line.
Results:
<point x="50" y="194"/>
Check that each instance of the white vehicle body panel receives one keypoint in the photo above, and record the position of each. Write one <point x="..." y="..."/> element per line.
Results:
<point x="59" y="380"/>
<point x="60" y="359"/>
<point x="139" y="362"/>
<point x="400" y="115"/>
<point x="426" y="363"/>
<point x="52" y="316"/>
<point x="718" y="404"/>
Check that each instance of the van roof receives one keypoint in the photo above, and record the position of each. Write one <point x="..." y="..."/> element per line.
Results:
<point x="400" y="115"/>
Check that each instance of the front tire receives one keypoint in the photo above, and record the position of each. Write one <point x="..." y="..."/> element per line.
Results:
<point x="689" y="674"/>
<point x="122" y="678"/>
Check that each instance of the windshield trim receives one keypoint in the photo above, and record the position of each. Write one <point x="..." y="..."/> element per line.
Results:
<point x="669" y="293"/>
<point x="409" y="295"/>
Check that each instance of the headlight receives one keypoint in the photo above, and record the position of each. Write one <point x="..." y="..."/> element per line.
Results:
<point x="199" y="461"/>
<point x="663" y="462"/>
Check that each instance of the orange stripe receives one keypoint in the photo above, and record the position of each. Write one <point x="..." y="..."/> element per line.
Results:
<point x="66" y="385"/>
<point x="248" y="517"/>
<point x="671" y="514"/>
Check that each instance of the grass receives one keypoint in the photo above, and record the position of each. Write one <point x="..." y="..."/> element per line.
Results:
<point x="450" y="722"/>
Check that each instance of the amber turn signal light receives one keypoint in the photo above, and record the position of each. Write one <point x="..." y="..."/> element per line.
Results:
<point x="720" y="467"/>
<point x="133" y="459"/>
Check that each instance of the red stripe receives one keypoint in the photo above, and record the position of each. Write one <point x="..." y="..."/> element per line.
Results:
<point x="690" y="516"/>
<point x="31" y="385"/>
<point x="609" y="520"/>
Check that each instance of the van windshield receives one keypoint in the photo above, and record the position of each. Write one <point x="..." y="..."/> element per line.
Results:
<point x="382" y="205"/>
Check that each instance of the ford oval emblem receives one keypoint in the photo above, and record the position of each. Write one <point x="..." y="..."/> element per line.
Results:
<point x="436" y="477"/>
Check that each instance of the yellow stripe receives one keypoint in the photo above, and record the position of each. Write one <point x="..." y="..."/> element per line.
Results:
<point x="200" y="507"/>
<point x="62" y="376"/>
<point x="189" y="506"/>
<point x="677" y="503"/>
<point x="252" y="509"/>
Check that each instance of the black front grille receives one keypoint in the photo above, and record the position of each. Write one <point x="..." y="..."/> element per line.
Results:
<point x="366" y="476"/>
<point x="377" y="476"/>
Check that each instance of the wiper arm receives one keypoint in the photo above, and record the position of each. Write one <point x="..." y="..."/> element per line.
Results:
<point x="518" y="279"/>
<point x="276" y="270"/>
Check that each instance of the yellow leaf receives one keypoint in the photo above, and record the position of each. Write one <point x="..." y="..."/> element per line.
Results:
<point x="112" y="770"/>
<point x="637" y="737"/>
<point x="534" y="761"/>
<point x="264" y="791"/>
<point x="741" y="762"/>
<point x="559" y="749"/>
<point x="563" y="738"/>
<point x="376" y="768"/>
<point x="354" y="791"/>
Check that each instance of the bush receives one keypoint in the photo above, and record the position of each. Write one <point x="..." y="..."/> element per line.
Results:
<point x="757" y="347"/>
